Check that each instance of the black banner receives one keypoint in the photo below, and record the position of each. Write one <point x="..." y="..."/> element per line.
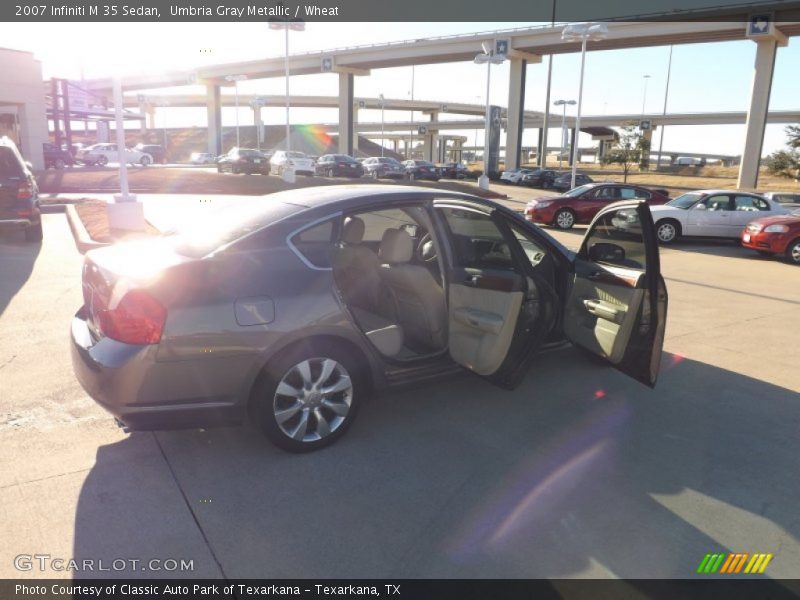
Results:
<point x="543" y="11"/>
<point x="482" y="589"/>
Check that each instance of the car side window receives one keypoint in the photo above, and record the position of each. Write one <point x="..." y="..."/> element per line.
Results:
<point x="478" y="243"/>
<point x="315" y="244"/>
<point x="717" y="203"/>
<point x="749" y="204"/>
<point x="607" y="193"/>
<point x="629" y="193"/>
<point x="533" y="251"/>
<point x="616" y="239"/>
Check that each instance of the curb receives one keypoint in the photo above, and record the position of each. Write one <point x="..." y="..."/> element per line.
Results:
<point x="83" y="242"/>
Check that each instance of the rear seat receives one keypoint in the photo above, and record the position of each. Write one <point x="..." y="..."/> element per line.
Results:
<point x="386" y="336"/>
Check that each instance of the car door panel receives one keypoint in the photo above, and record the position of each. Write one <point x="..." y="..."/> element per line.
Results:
<point x="616" y="307"/>
<point x="498" y="313"/>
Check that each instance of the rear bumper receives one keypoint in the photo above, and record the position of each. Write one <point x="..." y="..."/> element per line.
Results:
<point x="128" y="382"/>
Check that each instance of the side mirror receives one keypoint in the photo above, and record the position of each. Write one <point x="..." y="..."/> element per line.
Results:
<point x="700" y="207"/>
<point x="604" y="252"/>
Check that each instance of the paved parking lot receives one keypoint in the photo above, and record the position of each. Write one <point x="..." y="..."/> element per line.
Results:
<point x="580" y="472"/>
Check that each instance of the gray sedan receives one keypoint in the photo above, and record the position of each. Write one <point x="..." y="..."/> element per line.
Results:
<point x="293" y="308"/>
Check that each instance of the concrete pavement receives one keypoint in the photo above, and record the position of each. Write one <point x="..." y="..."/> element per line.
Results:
<point x="580" y="472"/>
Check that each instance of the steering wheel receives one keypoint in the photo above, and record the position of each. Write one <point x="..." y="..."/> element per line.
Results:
<point x="426" y="249"/>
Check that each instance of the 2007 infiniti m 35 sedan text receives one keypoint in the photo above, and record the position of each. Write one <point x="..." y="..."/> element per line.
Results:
<point x="293" y="307"/>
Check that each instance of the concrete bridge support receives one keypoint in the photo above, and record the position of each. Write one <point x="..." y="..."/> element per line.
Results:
<point x="516" y="108"/>
<point x="346" y="113"/>
<point x="214" y="112"/>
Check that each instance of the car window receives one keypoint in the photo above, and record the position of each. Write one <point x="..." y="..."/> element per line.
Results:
<point x="609" y="193"/>
<point x="717" y="202"/>
<point x="9" y="165"/>
<point x="533" y="251"/>
<point x="477" y="241"/>
<point x="376" y="222"/>
<point x="316" y="244"/>
<point x="616" y="238"/>
<point x="749" y="204"/>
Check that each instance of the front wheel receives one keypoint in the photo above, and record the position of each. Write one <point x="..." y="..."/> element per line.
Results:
<point x="102" y="161"/>
<point x="793" y="252"/>
<point x="308" y="398"/>
<point x="144" y="161"/>
<point x="59" y="163"/>
<point x="668" y="231"/>
<point x="564" y="219"/>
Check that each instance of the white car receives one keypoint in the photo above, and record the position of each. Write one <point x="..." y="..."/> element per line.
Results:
<point x="711" y="213"/>
<point x="514" y="176"/>
<point x="202" y="158"/>
<point x="102" y="154"/>
<point x="301" y="164"/>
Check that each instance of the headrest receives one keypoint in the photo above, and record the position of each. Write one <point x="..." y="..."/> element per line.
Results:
<point x="353" y="231"/>
<point x="396" y="246"/>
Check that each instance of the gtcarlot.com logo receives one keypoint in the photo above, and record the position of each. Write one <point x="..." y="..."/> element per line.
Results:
<point x="733" y="563"/>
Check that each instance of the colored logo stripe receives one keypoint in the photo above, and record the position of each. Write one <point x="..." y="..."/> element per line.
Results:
<point x="734" y="562"/>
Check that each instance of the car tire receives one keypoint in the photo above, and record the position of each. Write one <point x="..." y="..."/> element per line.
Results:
<point x="329" y="173"/>
<point x="59" y="163"/>
<point x="34" y="233"/>
<point x="668" y="231"/>
<point x="102" y="161"/>
<point x="793" y="251"/>
<point x="144" y="161"/>
<point x="564" y="219"/>
<point x="288" y="396"/>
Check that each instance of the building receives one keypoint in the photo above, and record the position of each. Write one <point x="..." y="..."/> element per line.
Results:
<point x="23" y="114"/>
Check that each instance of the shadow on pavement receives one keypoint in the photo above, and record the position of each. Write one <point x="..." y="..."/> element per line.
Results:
<point x="17" y="258"/>
<point x="579" y="472"/>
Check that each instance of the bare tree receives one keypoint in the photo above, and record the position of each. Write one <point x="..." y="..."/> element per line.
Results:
<point x="630" y="149"/>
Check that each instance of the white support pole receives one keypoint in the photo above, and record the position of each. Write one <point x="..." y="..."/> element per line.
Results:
<point x="578" y="118"/>
<point x="123" y="166"/>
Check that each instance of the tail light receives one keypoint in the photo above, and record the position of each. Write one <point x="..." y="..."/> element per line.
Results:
<point x="138" y="319"/>
<point x="25" y="191"/>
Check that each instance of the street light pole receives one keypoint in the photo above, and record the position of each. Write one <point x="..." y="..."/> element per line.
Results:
<point x="644" y="94"/>
<point x="382" y="136"/>
<point x="563" y="104"/>
<point x="236" y="79"/>
<point x="666" y="94"/>
<point x="488" y="56"/>
<point x="286" y="25"/>
<point x="583" y="32"/>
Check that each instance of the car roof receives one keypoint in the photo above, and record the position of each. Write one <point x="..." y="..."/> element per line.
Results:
<point x="723" y="191"/>
<point x="313" y="197"/>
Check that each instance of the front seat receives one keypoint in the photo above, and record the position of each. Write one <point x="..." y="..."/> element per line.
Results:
<point x="356" y="267"/>
<point x="419" y="299"/>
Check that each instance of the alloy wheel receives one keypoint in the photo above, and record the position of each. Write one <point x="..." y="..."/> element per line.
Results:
<point x="565" y="219"/>
<point x="312" y="399"/>
<point x="666" y="232"/>
<point x="794" y="252"/>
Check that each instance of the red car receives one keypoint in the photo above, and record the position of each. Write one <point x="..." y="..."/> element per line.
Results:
<point x="581" y="204"/>
<point x="774" y="235"/>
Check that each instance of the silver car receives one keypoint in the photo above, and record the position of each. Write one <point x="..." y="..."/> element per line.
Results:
<point x="294" y="307"/>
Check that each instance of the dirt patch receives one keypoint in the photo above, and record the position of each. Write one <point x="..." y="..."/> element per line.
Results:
<point x="169" y="180"/>
<point x="94" y="216"/>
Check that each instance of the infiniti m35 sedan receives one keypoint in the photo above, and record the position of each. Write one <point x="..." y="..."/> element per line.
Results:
<point x="290" y="309"/>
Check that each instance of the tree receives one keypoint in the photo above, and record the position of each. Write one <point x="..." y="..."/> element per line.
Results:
<point x="786" y="163"/>
<point x="631" y="148"/>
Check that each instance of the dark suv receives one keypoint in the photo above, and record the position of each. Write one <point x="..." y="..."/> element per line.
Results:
<point x="55" y="157"/>
<point x="19" y="196"/>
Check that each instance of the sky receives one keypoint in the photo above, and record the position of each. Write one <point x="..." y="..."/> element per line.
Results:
<point x="712" y="77"/>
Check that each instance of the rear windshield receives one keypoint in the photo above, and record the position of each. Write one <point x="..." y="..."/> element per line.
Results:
<point x="295" y="155"/>
<point x="249" y="153"/>
<point x="9" y="164"/>
<point x="229" y="223"/>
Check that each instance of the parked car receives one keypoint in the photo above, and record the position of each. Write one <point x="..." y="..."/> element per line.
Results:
<point x="711" y="213"/>
<point x="776" y="235"/>
<point x="581" y="204"/>
<point x="338" y="165"/>
<point x="454" y="170"/>
<point x="55" y="157"/>
<point x="159" y="153"/>
<point x="287" y="307"/>
<point x="783" y="197"/>
<point x="298" y="161"/>
<point x="564" y="182"/>
<point x="383" y="167"/>
<point x="420" y="169"/>
<point x="243" y="160"/>
<point x="515" y="175"/>
<point x="541" y="178"/>
<point x="690" y="161"/>
<point x="19" y="195"/>
<point x="102" y="154"/>
<point x="202" y="158"/>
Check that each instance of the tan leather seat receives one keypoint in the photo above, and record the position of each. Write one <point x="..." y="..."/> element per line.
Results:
<point x="419" y="299"/>
<point x="356" y="267"/>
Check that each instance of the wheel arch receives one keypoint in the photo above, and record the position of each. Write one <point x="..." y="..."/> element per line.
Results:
<point x="315" y="340"/>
